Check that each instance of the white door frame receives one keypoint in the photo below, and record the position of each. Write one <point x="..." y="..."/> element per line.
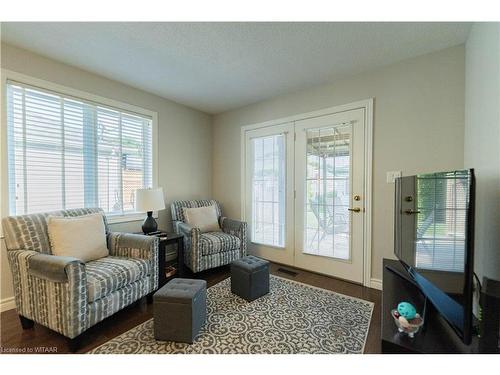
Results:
<point x="367" y="105"/>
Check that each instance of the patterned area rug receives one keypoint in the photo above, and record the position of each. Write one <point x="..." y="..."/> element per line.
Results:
<point x="292" y="318"/>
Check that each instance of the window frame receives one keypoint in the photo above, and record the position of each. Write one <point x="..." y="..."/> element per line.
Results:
<point x="8" y="75"/>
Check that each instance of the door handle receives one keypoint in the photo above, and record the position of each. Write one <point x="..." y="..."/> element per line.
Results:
<point x="355" y="209"/>
<point x="411" y="212"/>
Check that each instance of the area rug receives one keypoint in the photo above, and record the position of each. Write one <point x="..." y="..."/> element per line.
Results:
<point x="292" y="318"/>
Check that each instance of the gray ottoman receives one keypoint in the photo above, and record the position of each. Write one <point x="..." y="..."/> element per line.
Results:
<point x="180" y="310"/>
<point x="250" y="277"/>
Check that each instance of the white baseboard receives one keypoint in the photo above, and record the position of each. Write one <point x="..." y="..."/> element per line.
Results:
<point x="376" y="284"/>
<point x="7" y="304"/>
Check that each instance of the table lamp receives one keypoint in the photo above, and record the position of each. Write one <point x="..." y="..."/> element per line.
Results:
<point x="149" y="200"/>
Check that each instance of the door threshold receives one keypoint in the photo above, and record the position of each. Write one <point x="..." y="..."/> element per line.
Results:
<point x="288" y="271"/>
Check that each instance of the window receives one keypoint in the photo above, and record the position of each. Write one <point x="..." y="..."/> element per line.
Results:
<point x="268" y="190"/>
<point x="65" y="152"/>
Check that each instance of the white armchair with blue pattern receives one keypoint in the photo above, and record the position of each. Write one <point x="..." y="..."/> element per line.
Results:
<point x="203" y="251"/>
<point x="64" y="293"/>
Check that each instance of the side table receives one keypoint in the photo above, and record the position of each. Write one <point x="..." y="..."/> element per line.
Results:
<point x="169" y="238"/>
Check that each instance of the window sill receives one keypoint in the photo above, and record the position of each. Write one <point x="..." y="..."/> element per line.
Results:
<point x="128" y="217"/>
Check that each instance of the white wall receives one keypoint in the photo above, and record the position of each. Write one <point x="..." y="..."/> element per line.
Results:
<point x="418" y="127"/>
<point x="184" y="134"/>
<point x="482" y="140"/>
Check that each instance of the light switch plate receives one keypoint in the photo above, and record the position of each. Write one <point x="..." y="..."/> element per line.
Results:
<point x="392" y="175"/>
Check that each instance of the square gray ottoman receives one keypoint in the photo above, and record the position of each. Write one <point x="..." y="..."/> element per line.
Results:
<point x="180" y="310"/>
<point x="250" y="277"/>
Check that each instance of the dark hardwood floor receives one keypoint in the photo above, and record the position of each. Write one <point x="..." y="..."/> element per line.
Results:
<point x="14" y="339"/>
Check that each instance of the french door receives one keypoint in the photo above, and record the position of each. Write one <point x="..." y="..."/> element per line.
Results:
<point x="329" y="183"/>
<point x="304" y="192"/>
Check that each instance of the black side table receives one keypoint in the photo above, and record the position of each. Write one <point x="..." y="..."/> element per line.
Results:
<point x="169" y="238"/>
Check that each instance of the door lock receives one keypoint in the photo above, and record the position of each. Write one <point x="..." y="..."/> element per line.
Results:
<point x="357" y="198"/>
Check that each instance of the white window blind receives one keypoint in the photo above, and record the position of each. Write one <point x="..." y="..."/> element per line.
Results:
<point x="268" y="190"/>
<point x="65" y="152"/>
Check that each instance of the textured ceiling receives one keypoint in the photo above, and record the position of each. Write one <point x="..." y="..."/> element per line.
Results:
<point x="216" y="67"/>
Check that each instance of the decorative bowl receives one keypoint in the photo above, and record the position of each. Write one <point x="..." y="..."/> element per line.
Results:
<point x="409" y="327"/>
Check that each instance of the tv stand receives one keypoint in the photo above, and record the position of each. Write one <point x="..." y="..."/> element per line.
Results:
<point x="403" y="275"/>
<point x="406" y="277"/>
<point x="436" y="337"/>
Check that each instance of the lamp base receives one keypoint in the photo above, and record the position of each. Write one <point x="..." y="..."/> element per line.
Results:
<point x="149" y="224"/>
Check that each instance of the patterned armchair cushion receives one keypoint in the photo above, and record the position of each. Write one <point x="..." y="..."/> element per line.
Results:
<point x="109" y="274"/>
<point x="29" y="232"/>
<point x="217" y="242"/>
<point x="178" y="212"/>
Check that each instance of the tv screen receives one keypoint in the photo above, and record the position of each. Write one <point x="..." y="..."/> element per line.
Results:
<point x="434" y="240"/>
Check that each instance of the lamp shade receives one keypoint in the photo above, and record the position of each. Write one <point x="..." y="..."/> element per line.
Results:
<point x="149" y="200"/>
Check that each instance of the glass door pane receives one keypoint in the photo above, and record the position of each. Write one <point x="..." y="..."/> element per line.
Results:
<point x="328" y="191"/>
<point x="268" y="190"/>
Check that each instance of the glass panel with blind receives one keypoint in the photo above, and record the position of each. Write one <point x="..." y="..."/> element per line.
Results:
<point x="441" y="207"/>
<point x="64" y="152"/>
<point x="268" y="190"/>
<point x="327" y="220"/>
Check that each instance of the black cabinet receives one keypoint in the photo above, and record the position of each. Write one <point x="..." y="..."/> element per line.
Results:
<point x="436" y="337"/>
<point x="178" y="240"/>
<point x="169" y="238"/>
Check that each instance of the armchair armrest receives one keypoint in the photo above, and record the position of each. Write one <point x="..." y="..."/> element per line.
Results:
<point x="187" y="230"/>
<point x="51" y="267"/>
<point x="191" y="237"/>
<point x="139" y="246"/>
<point x="236" y="228"/>
<point x="45" y="283"/>
<point x="232" y="226"/>
<point x="133" y="245"/>
<point x="192" y="256"/>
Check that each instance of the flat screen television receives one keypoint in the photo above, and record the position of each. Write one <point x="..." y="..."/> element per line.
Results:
<point x="434" y="240"/>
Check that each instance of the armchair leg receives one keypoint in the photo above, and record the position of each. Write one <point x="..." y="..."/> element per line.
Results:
<point x="26" y="323"/>
<point x="141" y="304"/>
<point x="149" y="298"/>
<point x="74" y="344"/>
